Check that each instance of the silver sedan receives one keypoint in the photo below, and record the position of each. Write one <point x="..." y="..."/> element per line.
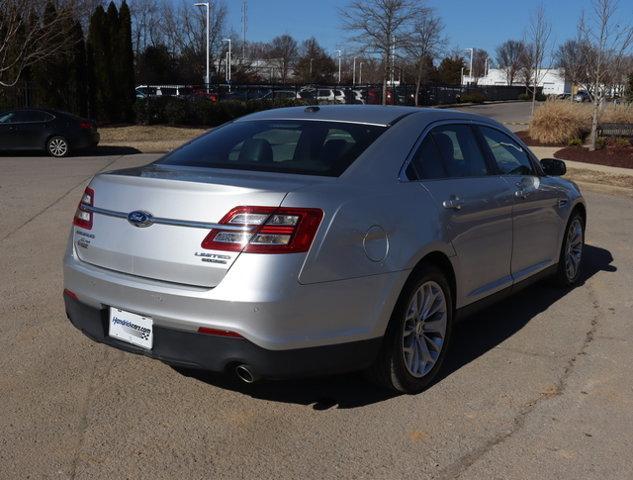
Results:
<point x="305" y="241"/>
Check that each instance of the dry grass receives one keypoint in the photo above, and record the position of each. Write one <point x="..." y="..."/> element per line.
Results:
<point x="150" y="133"/>
<point x="558" y="121"/>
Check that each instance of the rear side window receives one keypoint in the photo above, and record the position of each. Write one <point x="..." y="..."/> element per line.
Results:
<point x="510" y="157"/>
<point x="458" y="147"/>
<point x="427" y="162"/>
<point x="30" y="116"/>
<point x="302" y="147"/>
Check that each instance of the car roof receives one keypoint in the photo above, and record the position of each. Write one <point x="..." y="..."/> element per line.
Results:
<point x="379" y="115"/>
<point x="363" y="114"/>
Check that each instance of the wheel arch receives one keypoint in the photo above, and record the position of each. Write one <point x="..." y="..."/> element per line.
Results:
<point x="443" y="262"/>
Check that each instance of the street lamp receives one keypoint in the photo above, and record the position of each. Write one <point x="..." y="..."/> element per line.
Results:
<point x="206" y="78"/>
<point x="360" y="73"/>
<point x="228" y="62"/>
<point x="339" y="66"/>
<point x="354" y="73"/>
<point x="311" y="69"/>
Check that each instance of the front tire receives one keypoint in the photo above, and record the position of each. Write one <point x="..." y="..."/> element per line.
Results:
<point x="57" y="146"/>
<point x="570" y="260"/>
<point x="418" y="334"/>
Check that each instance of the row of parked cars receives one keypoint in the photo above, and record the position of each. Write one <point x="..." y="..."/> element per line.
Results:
<point x="320" y="95"/>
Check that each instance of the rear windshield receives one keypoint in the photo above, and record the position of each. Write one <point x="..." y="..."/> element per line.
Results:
<point x="302" y="147"/>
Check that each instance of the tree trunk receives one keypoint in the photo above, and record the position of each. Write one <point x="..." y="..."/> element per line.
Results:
<point x="534" y="91"/>
<point x="418" y="81"/>
<point x="593" y="137"/>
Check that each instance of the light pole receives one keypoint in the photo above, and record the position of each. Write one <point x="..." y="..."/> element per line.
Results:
<point x="354" y="73"/>
<point x="206" y="78"/>
<point x="360" y="73"/>
<point x="339" y="66"/>
<point x="228" y="62"/>
<point x="462" y="77"/>
<point x="311" y="69"/>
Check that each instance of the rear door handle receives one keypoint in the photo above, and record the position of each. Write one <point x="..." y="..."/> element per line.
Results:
<point x="454" y="202"/>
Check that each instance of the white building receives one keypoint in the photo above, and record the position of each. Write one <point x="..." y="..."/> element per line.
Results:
<point x="553" y="80"/>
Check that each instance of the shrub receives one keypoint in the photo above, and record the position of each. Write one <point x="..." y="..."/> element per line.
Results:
<point x="601" y="142"/>
<point x="560" y="121"/>
<point x="524" y="97"/>
<point x="621" y="142"/>
<point x="474" y="97"/>
<point x="200" y="111"/>
<point x="575" y="142"/>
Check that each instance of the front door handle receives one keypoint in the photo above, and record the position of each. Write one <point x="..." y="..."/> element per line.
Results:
<point x="454" y="203"/>
<point x="521" y="194"/>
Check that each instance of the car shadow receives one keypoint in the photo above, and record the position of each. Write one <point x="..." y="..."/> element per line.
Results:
<point x="103" y="150"/>
<point x="99" y="151"/>
<point x="472" y="338"/>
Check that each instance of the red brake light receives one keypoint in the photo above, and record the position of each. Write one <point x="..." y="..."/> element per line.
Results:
<point x="70" y="294"/>
<point x="83" y="217"/>
<point x="266" y="230"/>
<point x="220" y="333"/>
<point x="85" y="125"/>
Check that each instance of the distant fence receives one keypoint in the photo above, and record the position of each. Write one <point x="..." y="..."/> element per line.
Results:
<point x="23" y="95"/>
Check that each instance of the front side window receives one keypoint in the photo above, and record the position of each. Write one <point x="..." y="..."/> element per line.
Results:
<point x="302" y="147"/>
<point x="459" y="151"/>
<point x="510" y="157"/>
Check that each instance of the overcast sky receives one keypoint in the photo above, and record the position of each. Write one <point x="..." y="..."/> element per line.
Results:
<point x="469" y="23"/>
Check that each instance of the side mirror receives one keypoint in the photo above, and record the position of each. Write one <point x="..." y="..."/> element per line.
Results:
<point x="553" y="167"/>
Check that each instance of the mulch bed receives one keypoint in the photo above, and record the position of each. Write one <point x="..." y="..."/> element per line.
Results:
<point x="611" y="155"/>
<point x="530" y="142"/>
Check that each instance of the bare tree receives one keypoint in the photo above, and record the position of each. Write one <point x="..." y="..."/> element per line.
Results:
<point x="509" y="58"/>
<point x="538" y="34"/>
<point x="378" y="24"/>
<point x="283" y="52"/>
<point x="146" y="26"/>
<point x="609" y="42"/>
<point x="480" y="62"/>
<point x="26" y="41"/>
<point x="423" y="44"/>
<point x="572" y="57"/>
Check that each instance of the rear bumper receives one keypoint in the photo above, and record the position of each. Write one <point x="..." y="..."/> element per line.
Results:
<point x="216" y="353"/>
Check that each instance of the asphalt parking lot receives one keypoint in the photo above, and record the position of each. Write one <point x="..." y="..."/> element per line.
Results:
<point x="540" y="386"/>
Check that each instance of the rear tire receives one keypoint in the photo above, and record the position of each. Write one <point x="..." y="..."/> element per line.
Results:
<point x="418" y="334"/>
<point x="571" y="254"/>
<point x="57" y="146"/>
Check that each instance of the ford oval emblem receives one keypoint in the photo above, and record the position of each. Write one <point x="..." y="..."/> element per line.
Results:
<point x="140" y="219"/>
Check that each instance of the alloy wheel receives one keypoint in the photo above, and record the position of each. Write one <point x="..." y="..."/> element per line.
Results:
<point x="58" y="147"/>
<point x="424" y="329"/>
<point x="573" y="254"/>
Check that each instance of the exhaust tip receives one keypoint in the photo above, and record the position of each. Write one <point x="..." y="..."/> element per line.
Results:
<point x="245" y="374"/>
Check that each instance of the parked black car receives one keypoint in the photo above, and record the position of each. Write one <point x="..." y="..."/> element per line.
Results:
<point x="52" y="131"/>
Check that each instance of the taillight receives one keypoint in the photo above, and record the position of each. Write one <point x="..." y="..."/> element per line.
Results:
<point x="85" y="125"/>
<point x="265" y="230"/>
<point x="83" y="218"/>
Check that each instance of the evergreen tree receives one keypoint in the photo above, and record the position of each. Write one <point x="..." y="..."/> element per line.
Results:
<point x="450" y="70"/>
<point x="98" y="57"/>
<point x="78" y="75"/>
<point x="125" y="58"/>
<point x="113" y="89"/>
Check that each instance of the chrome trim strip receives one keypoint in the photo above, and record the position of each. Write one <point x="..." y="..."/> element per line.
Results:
<point x="170" y="221"/>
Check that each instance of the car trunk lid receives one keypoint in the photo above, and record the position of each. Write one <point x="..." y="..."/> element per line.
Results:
<point x="183" y="205"/>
